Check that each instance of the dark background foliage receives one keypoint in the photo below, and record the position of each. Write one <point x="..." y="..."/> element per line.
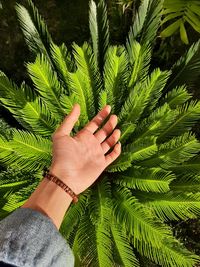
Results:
<point x="67" y="21"/>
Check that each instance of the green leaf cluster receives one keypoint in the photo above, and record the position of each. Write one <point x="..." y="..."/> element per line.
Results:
<point x="178" y="13"/>
<point x="155" y="179"/>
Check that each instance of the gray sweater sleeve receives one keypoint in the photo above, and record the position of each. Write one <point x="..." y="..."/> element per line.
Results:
<point x="30" y="239"/>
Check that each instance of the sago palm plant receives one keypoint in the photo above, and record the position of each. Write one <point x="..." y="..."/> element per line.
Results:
<point x="156" y="178"/>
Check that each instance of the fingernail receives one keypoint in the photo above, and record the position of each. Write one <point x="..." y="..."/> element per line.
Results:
<point x="109" y="108"/>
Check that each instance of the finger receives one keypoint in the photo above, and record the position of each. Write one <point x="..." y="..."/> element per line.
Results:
<point x="94" y="124"/>
<point x="111" y="141"/>
<point x="68" y="123"/>
<point x="112" y="156"/>
<point x="107" y="129"/>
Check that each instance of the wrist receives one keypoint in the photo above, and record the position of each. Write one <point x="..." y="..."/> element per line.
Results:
<point x="51" y="200"/>
<point x="61" y="174"/>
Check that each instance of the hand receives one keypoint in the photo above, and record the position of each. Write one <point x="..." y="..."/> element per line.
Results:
<point x="79" y="160"/>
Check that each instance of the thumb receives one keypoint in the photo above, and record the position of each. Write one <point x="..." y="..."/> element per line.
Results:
<point x="68" y="123"/>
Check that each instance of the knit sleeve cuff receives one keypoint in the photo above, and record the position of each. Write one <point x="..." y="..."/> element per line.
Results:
<point x="29" y="238"/>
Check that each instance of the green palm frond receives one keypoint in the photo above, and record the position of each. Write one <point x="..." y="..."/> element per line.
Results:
<point x="116" y="74"/>
<point x="28" y="150"/>
<point x="127" y="207"/>
<point x="139" y="21"/>
<point x="40" y="42"/>
<point x="177" y="96"/>
<point x="150" y="180"/>
<point x="189" y="168"/>
<point x="159" y="79"/>
<point x="77" y="86"/>
<point x="89" y="73"/>
<point x="62" y="63"/>
<point x="99" y="208"/>
<point x="173" y="254"/>
<point x="73" y="215"/>
<point x="139" y="56"/>
<point x="155" y="179"/>
<point x="152" y="22"/>
<point x="174" y="152"/>
<point x="5" y="129"/>
<point x="102" y="99"/>
<point x="186" y="69"/>
<point x="124" y="249"/>
<point x="155" y="124"/>
<point x="47" y="84"/>
<point x="143" y="96"/>
<point x="134" y="153"/>
<point x="127" y="130"/>
<point x="173" y="206"/>
<point x="34" y="28"/>
<point x="28" y="109"/>
<point x="179" y="149"/>
<point x="141" y="149"/>
<point x="185" y="183"/>
<point x="12" y="180"/>
<point x="85" y="248"/>
<point x="17" y="199"/>
<point x="102" y="226"/>
<point x="185" y="117"/>
<point x="6" y="151"/>
<point x="99" y="30"/>
<point x="19" y="185"/>
<point x="146" y="23"/>
<point x="177" y="13"/>
<point x="120" y="164"/>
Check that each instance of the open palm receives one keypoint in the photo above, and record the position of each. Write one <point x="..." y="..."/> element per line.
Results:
<point x="79" y="160"/>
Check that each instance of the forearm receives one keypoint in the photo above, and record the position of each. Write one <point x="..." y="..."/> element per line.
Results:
<point x="28" y="238"/>
<point x="51" y="200"/>
<point x="33" y="228"/>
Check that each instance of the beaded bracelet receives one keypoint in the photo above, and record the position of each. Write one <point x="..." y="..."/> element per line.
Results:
<point x="55" y="179"/>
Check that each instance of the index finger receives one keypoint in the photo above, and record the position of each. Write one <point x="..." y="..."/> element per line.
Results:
<point x="94" y="124"/>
